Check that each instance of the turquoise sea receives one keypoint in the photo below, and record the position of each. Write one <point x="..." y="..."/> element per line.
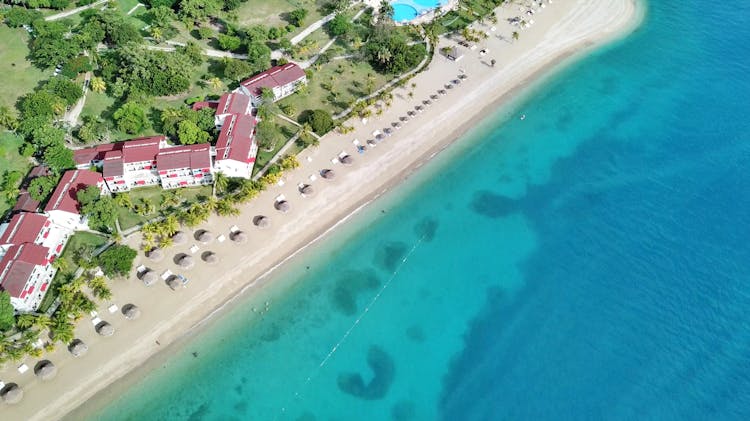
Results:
<point x="589" y="262"/>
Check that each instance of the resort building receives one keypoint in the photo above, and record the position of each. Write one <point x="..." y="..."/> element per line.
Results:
<point x="29" y="243"/>
<point x="232" y="103"/>
<point x="184" y="166"/>
<point x="26" y="203"/>
<point x="147" y="162"/>
<point x="283" y="80"/>
<point x="63" y="208"/>
<point x="236" y="147"/>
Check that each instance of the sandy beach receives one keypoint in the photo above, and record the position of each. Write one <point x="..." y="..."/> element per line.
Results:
<point x="562" y="30"/>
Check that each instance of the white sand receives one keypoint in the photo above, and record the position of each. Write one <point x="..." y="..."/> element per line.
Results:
<point x="560" y="30"/>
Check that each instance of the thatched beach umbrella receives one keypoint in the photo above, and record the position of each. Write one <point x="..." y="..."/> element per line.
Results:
<point x="282" y="206"/>
<point x="239" y="237"/>
<point x="179" y="237"/>
<point x="456" y="81"/>
<point x="205" y="237"/>
<point x="442" y="92"/>
<point x="427" y="102"/>
<point x="306" y="189"/>
<point x="174" y="283"/>
<point x="45" y="370"/>
<point x="262" y="221"/>
<point x="411" y="113"/>
<point x="185" y="262"/>
<point x="11" y="393"/>
<point x="210" y="257"/>
<point x="346" y="160"/>
<point x="328" y="174"/>
<point x="404" y="118"/>
<point x="131" y="311"/>
<point x="379" y="137"/>
<point x="105" y="329"/>
<point x="434" y="97"/>
<point x="78" y="348"/>
<point x="149" y="277"/>
<point x="396" y="124"/>
<point x="419" y="108"/>
<point x="155" y="255"/>
<point x="388" y="131"/>
<point x="463" y="76"/>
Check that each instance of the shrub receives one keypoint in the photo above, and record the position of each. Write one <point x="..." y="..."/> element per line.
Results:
<point x="320" y="121"/>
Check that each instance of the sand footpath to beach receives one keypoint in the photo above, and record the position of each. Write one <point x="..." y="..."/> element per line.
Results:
<point x="560" y="30"/>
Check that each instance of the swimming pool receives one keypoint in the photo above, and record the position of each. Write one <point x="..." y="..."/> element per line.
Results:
<point x="406" y="10"/>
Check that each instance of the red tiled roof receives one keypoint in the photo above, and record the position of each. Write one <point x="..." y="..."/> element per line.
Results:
<point x="18" y="264"/>
<point x="25" y="203"/>
<point x="236" y="139"/>
<point x="194" y="157"/>
<point x="23" y="228"/>
<point x="233" y="103"/>
<point x="275" y="76"/>
<point x="197" y="106"/>
<point x="95" y="153"/>
<point x="113" y="164"/>
<point x="64" y="196"/>
<point x="143" y="149"/>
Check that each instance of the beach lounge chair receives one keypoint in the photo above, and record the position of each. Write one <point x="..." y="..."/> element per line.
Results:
<point x="140" y="269"/>
<point x="234" y="228"/>
<point x="95" y="321"/>
<point x="313" y="177"/>
<point x="112" y="309"/>
<point x="194" y="249"/>
<point x="167" y="273"/>
<point x="281" y="182"/>
<point x="280" y="197"/>
<point x="2" y="384"/>
<point x="221" y="238"/>
<point x="23" y="368"/>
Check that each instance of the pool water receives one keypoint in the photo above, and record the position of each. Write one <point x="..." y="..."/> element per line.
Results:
<point x="403" y="12"/>
<point x="406" y="10"/>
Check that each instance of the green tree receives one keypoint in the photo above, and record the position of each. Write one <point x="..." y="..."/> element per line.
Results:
<point x="198" y="10"/>
<point x="58" y="157"/>
<point x="100" y="210"/>
<point x="41" y="103"/>
<point x="340" y="25"/>
<point x="220" y="183"/>
<point x="297" y="17"/>
<point x="189" y="133"/>
<point x="6" y="312"/>
<point x="131" y="118"/>
<point x="19" y="16"/>
<point x="66" y="89"/>
<point x="11" y="180"/>
<point x="320" y="121"/>
<point x="236" y="69"/>
<point x="41" y="187"/>
<point x="8" y="119"/>
<point x="97" y="84"/>
<point x="229" y="42"/>
<point x="258" y="56"/>
<point x="267" y="135"/>
<point x="161" y="16"/>
<point x="91" y="130"/>
<point x="192" y="53"/>
<point x="117" y="260"/>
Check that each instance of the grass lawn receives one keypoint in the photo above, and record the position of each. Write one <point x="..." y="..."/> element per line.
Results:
<point x="347" y="78"/>
<point x="77" y="240"/>
<point x="11" y="160"/>
<point x="271" y="12"/>
<point x="14" y="66"/>
<point x="129" y="219"/>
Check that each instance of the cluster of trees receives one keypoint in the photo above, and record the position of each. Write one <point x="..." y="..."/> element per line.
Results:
<point x="41" y="4"/>
<point x="116" y="260"/>
<point x="98" y="208"/>
<point x="187" y="125"/>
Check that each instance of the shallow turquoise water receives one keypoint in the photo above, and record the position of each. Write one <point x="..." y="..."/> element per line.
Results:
<point x="589" y="262"/>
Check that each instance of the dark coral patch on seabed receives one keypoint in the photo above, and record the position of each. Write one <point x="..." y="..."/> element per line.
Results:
<point x="383" y="370"/>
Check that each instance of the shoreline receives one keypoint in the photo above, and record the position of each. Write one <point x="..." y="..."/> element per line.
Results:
<point x="130" y="365"/>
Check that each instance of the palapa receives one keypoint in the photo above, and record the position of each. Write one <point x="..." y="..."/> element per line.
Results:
<point x="346" y="160"/>
<point x="185" y="262"/>
<point x="45" y="370"/>
<point x="205" y="237"/>
<point x="174" y="283"/>
<point x="78" y="348"/>
<point x="105" y="329"/>
<point x="239" y="237"/>
<point x="306" y="189"/>
<point x="156" y="254"/>
<point x="179" y="237"/>
<point x="210" y="257"/>
<point x="283" y="206"/>
<point x="328" y="174"/>
<point x="131" y="311"/>
<point x="12" y="393"/>
<point x="149" y="277"/>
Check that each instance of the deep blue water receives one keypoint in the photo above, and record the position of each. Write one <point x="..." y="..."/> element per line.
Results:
<point x="589" y="262"/>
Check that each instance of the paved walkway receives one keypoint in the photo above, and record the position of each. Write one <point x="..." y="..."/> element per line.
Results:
<point x="312" y="28"/>
<point x="71" y="116"/>
<point x="74" y="11"/>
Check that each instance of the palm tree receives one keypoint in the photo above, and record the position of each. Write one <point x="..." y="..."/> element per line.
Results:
<point x="220" y="183"/>
<point x="165" y="242"/>
<point x="25" y="321"/>
<point x="124" y="200"/>
<point x="170" y="198"/>
<point x="224" y="207"/>
<point x="99" y="288"/>
<point x="156" y="33"/>
<point x="515" y="35"/>
<point x="8" y="118"/>
<point x="171" y="225"/>
<point x="42" y="321"/>
<point x="215" y="83"/>
<point x="97" y="84"/>
<point x="61" y="264"/>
